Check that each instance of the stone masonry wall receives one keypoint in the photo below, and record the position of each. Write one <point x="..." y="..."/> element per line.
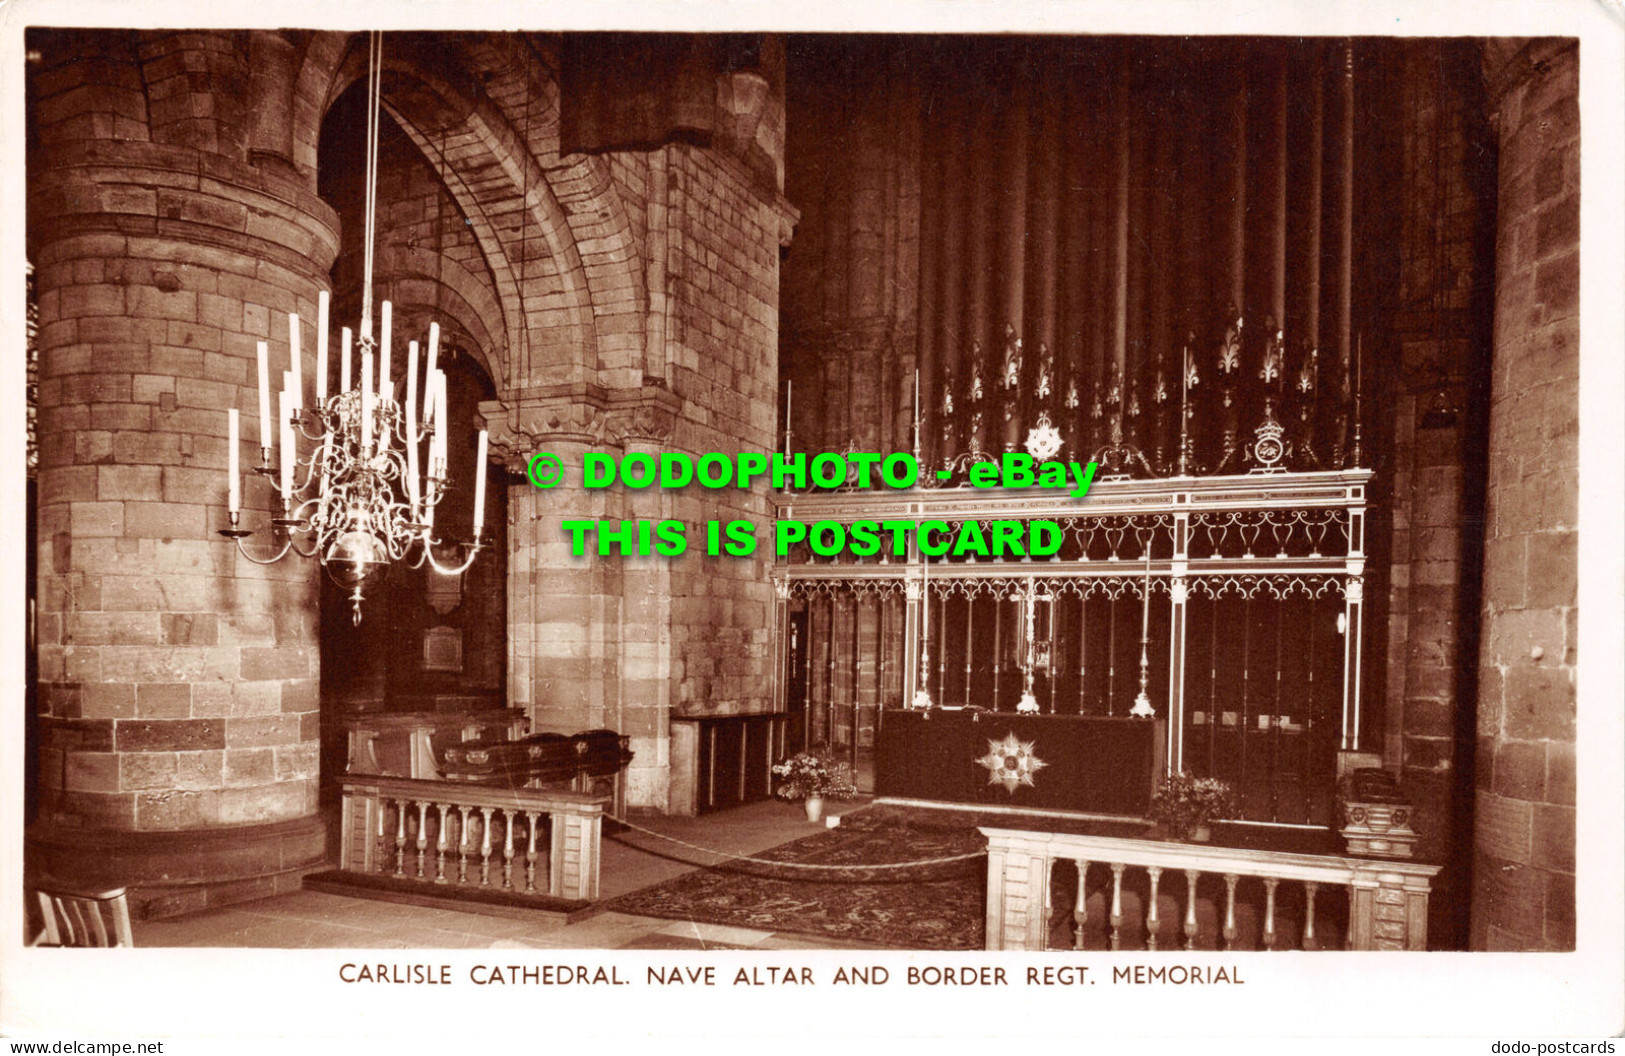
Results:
<point x="1523" y="890"/>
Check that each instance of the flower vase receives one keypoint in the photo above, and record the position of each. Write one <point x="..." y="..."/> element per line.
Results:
<point x="1201" y="834"/>
<point x="815" y="808"/>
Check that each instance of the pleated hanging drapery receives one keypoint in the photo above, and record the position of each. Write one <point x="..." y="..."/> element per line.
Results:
<point x="1104" y="227"/>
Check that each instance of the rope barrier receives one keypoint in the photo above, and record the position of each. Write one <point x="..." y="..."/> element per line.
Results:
<point x="802" y="865"/>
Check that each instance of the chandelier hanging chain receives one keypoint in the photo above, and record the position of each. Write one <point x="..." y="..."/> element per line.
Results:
<point x="360" y="499"/>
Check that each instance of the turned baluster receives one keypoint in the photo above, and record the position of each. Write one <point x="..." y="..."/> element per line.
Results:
<point x="423" y="834"/>
<point x="531" y="819"/>
<point x="1309" y="890"/>
<point x="462" y="845"/>
<point x="1190" y="908"/>
<point x="440" y="845"/>
<point x="1269" y="912"/>
<point x="1117" y="905"/>
<point x="381" y="841"/>
<point x="1049" y="903"/>
<point x="1153" y="923"/>
<point x="400" y="837"/>
<point x="1230" y="880"/>
<point x="485" y="847"/>
<point x="1080" y="912"/>
<point x="507" y="850"/>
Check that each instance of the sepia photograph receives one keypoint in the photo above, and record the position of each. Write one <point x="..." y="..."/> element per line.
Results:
<point x="1000" y="508"/>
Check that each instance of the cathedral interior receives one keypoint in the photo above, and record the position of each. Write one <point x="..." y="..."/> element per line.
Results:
<point x="1322" y="292"/>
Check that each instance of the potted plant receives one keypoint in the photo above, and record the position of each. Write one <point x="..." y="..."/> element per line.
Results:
<point x="1185" y="805"/>
<point x="813" y="777"/>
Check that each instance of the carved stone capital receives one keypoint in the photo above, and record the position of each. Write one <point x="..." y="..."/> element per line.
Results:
<point x="586" y="415"/>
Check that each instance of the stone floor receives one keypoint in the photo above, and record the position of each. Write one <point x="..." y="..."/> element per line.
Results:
<point x="631" y="861"/>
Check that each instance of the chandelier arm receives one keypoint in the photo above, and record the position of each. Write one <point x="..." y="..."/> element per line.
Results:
<point x="446" y="570"/>
<point x="315" y="544"/>
<point x="287" y="544"/>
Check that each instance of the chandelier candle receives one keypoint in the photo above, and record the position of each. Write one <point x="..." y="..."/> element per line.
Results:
<point x="479" y="484"/>
<point x="234" y="487"/>
<point x="293" y="354"/>
<point x="345" y="337"/>
<point x="265" y="399"/>
<point x="366" y="399"/>
<point x="434" y="353"/>
<point x="385" y="389"/>
<point x="321" y="346"/>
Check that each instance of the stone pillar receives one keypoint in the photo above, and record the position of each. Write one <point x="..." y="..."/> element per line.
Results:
<point x="1523" y="869"/>
<point x="590" y="636"/>
<point x="178" y="682"/>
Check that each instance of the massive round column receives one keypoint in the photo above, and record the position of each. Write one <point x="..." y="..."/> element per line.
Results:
<point x="178" y="681"/>
<point x="1523" y="872"/>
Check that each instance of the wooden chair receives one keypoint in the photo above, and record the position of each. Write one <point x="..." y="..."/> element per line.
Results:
<point x="75" y="918"/>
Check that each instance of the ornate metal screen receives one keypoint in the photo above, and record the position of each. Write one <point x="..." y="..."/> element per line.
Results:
<point x="1254" y="622"/>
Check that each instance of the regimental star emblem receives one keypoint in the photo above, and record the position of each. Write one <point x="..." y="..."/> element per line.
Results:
<point x="1011" y="763"/>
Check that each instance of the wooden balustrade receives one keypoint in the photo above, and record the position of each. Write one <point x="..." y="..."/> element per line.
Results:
<point x="463" y="836"/>
<point x="1387" y="907"/>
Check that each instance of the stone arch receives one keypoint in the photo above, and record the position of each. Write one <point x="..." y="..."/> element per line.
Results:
<point x="421" y="281"/>
<point x="507" y="199"/>
<point x="605" y="235"/>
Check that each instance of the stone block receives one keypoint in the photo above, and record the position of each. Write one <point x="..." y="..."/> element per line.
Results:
<point x="1560" y="774"/>
<point x="1520" y="770"/>
<point x="1539" y="703"/>
<point x="169" y="735"/>
<point x="1504" y="827"/>
<point x="163" y="520"/>
<point x="145" y="771"/>
<point x="1553" y="568"/>
<point x="249" y="766"/>
<point x="279" y="663"/>
<point x="1553" y="837"/>
<point x="177" y="810"/>
<point x="105" y="700"/>
<point x="97" y="518"/>
<point x="163" y="700"/>
<point x="1560" y="911"/>
<point x="196" y="771"/>
<point x="91" y="772"/>
<point x="261" y="731"/>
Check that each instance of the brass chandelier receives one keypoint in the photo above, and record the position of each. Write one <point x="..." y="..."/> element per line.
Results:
<point x="365" y="494"/>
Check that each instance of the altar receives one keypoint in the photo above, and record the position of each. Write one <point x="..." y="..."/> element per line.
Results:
<point x="1002" y="760"/>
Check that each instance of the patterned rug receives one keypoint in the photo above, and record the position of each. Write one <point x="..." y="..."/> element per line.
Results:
<point x="931" y="907"/>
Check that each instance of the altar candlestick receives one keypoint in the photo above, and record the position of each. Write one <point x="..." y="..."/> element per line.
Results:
<point x="346" y="338"/>
<point x="479" y="485"/>
<point x="385" y="390"/>
<point x="322" y="299"/>
<point x="234" y="500"/>
<point x="263" y="353"/>
<point x="916" y="415"/>
<point x="789" y="391"/>
<point x="1184" y="408"/>
<point x="297" y="368"/>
